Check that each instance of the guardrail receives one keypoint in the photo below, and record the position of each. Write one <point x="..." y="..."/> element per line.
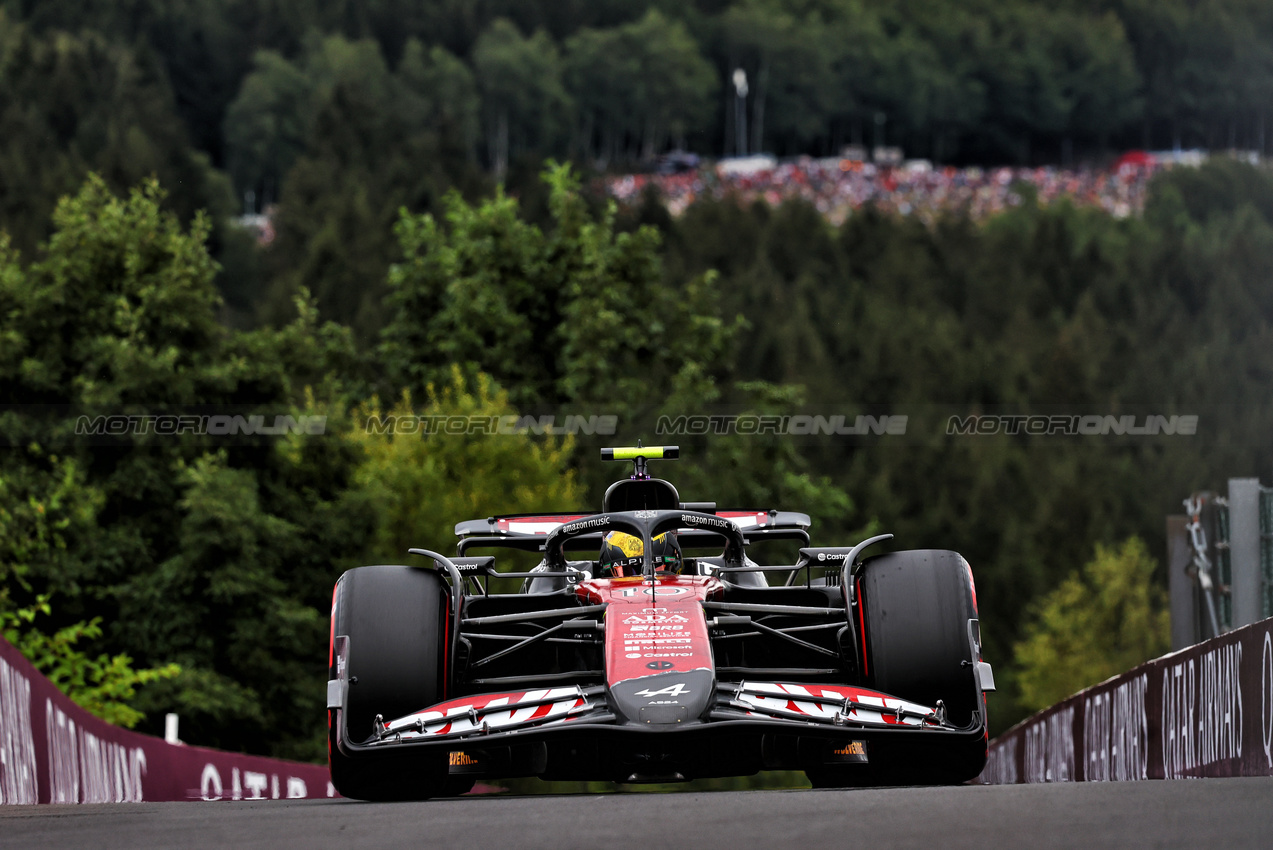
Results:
<point x="53" y="751"/>
<point x="1206" y="710"/>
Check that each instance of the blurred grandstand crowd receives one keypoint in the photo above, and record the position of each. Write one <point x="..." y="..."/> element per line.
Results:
<point x="838" y="186"/>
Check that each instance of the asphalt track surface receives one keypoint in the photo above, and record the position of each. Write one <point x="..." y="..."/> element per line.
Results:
<point x="1228" y="813"/>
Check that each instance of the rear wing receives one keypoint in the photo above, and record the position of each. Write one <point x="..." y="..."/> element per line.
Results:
<point x="539" y="525"/>
<point x="529" y="532"/>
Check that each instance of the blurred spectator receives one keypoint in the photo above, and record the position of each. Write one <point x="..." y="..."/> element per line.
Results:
<point x="839" y="186"/>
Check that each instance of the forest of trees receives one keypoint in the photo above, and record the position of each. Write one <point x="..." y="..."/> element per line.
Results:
<point x="335" y="114"/>
<point x="426" y="259"/>
<point x="218" y="554"/>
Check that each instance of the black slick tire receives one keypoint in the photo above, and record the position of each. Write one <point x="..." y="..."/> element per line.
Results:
<point x="394" y="618"/>
<point x="915" y="606"/>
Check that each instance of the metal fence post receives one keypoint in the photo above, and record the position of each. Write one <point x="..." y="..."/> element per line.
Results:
<point x="1182" y="589"/>
<point x="1244" y="551"/>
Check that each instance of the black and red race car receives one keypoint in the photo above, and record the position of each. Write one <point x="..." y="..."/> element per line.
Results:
<point x="857" y="670"/>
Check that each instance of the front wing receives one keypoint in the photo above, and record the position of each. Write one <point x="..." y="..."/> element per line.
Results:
<point x="571" y="733"/>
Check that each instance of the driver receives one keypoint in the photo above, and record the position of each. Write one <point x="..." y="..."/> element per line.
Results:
<point x="621" y="555"/>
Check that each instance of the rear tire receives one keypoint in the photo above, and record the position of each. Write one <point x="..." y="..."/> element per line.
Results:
<point x="916" y="606"/>
<point x="394" y="618"/>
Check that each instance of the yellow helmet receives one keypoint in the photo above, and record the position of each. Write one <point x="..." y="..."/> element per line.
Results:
<point x="621" y="554"/>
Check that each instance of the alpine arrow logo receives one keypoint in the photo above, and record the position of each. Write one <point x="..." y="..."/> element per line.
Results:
<point x="670" y="691"/>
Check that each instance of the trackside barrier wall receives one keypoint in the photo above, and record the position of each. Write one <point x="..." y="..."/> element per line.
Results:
<point x="53" y="751"/>
<point x="1206" y="710"/>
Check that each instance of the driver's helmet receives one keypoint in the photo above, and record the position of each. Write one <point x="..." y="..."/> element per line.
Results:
<point x="621" y="554"/>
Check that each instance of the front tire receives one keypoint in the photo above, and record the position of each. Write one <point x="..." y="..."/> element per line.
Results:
<point x="916" y="606"/>
<point x="394" y="619"/>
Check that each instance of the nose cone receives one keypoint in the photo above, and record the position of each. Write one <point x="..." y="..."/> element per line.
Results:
<point x="664" y="699"/>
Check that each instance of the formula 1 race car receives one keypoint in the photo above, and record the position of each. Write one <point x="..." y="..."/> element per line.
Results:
<point x="621" y="657"/>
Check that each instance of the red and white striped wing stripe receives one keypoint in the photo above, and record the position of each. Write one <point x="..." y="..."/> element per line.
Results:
<point x="490" y="710"/>
<point x="773" y="697"/>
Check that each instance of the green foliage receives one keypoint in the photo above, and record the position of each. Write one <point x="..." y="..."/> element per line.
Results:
<point x="120" y="309"/>
<point x="1214" y="192"/>
<point x="767" y="471"/>
<point x="637" y="85"/>
<point x="44" y="512"/>
<point x="579" y="314"/>
<point x="676" y="83"/>
<point x="219" y="555"/>
<point x="103" y="685"/>
<point x="1097" y="623"/>
<point x="74" y="103"/>
<point x="242" y="83"/>
<point x="240" y="602"/>
<point x="342" y="143"/>
<point x="269" y="123"/>
<point x="421" y="485"/>
<point x="522" y="97"/>
<point x="788" y="62"/>
<point x="445" y="92"/>
<point x="215" y="556"/>
<point x="1039" y="310"/>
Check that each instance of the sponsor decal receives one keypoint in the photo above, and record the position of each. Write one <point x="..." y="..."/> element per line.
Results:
<point x="832" y="556"/>
<point x="584" y="525"/>
<point x="690" y="519"/>
<point x="86" y="768"/>
<point x="1001" y="766"/>
<point x="661" y="590"/>
<point x="52" y="751"/>
<point x="1201" y="712"/>
<point x="17" y="743"/>
<point x="1049" y="748"/>
<point x="1204" y="711"/>
<point x="854" y="752"/>
<point x="644" y="634"/>
<point x="1266" y="698"/>
<point x="675" y="690"/>
<point x="655" y="618"/>
<point x="460" y="762"/>
<point x="1116" y="733"/>
<point x="252" y="785"/>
